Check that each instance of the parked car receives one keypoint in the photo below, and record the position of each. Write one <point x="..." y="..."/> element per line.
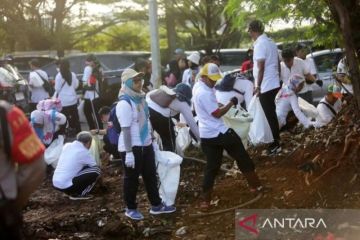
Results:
<point x="113" y="64"/>
<point x="232" y="58"/>
<point x="13" y="87"/>
<point x="325" y="62"/>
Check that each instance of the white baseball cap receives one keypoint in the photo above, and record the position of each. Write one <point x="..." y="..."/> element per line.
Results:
<point x="130" y="73"/>
<point x="194" y="57"/>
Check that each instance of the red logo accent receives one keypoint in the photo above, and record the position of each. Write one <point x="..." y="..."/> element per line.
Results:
<point x="249" y="228"/>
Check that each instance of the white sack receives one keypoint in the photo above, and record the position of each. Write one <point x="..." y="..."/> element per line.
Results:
<point x="183" y="140"/>
<point x="52" y="153"/>
<point x="308" y="109"/>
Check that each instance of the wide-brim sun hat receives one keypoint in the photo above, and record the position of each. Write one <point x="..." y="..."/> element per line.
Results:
<point x="212" y="71"/>
<point x="130" y="73"/>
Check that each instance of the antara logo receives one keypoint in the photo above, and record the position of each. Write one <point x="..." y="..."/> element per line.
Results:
<point x="249" y="223"/>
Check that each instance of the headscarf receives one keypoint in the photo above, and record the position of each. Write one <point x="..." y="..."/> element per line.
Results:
<point x="141" y="106"/>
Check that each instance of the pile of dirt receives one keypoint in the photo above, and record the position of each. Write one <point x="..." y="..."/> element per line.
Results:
<point x="318" y="168"/>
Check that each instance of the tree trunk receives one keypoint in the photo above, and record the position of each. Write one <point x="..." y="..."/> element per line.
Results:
<point x="170" y="29"/>
<point x="59" y="18"/>
<point x="350" y="48"/>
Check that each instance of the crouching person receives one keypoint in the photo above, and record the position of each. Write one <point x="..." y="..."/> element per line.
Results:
<point x="76" y="172"/>
<point x="135" y="146"/>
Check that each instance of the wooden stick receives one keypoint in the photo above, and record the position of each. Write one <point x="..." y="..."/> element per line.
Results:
<point x="195" y="215"/>
<point x="327" y="171"/>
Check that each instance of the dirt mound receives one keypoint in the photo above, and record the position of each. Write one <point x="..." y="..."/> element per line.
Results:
<point x="317" y="169"/>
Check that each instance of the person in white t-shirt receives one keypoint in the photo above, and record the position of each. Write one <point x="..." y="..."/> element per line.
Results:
<point x="329" y="106"/>
<point x="287" y="100"/>
<point x="216" y="137"/>
<point x="306" y="92"/>
<point x="189" y="74"/>
<point x="36" y="82"/>
<point x="76" y="172"/>
<point x="91" y="80"/>
<point x="235" y="85"/>
<point x="343" y="74"/>
<point x="135" y="146"/>
<point x="165" y="103"/>
<point x="66" y="84"/>
<point x="266" y="78"/>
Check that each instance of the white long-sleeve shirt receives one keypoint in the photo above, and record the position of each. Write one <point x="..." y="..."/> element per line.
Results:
<point x="74" y="157"/>
<point x="325" y="114"/>
<point x="67" y="93"/>
<point x="86" y="82"/>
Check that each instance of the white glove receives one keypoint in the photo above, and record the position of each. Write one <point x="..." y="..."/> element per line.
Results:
<point x="130" y="160"/>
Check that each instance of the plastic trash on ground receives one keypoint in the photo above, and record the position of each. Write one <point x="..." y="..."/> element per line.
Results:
<point x="308" y="109"/>
<point x="183" y="139"/>
<point x="52" y="153"/>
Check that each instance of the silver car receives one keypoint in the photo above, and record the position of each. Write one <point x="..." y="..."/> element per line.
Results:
<point x="325" y="62"/>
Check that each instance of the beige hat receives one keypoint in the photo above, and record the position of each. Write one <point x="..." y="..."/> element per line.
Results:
<point x="130" y="73"/>
<point x="194" y="57"/>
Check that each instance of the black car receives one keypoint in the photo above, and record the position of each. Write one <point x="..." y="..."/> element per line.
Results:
<point x="113" y="64"/>
<point x="13" y="87"/>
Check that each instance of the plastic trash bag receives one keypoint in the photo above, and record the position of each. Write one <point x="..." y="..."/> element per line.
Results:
<point x="260" y="131"/>
<point x="52" y="153"/>
<point x="80" y="108"/>
<point x="168" y="169"/>
<point x="308" y="109"/>
<point x="95" y="149"/>
<point x="183" y="139"/>
<point x="239" y="120"/>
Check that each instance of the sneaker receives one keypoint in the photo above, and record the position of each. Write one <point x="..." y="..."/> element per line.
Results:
<point x="134" y="214"/>
<point x="79" y="197"/>
<point x="162" y="208"/>
<point x="274" y="149"/>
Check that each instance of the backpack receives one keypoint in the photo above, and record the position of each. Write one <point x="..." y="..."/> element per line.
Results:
<point x="227" y="83"/>
<point x="46" y="85"/>
<point x="113" y="132"/>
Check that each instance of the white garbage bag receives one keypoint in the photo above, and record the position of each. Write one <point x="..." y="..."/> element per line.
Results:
<point x="260" y="131"/>
<point x="308" y="109"/>
<point x="183" y="139"/>
<point x="52" y="153"/>
<point x="239" y="120"/>
<point x="80" y="108"/>
<point x="168" y="169"/>
<point x="95" y="149"/>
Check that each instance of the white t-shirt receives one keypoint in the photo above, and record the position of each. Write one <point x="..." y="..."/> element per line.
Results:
<point x="85" y="79"/>
<point x="299" y="67"/>
<point x="187" y="77"/>
<point x="205" y="104"/>
<point x="67" y="94"/>
<point x="310" y="65"/>
<point x="266" y="49"/>
<point x="38" y="92"/>
<point x="128" y="117"/>
<point x="74" y="157"/>
<point x="242" y="85"/>
<point x="342" y="68"/>
<point x="325" y="114"/>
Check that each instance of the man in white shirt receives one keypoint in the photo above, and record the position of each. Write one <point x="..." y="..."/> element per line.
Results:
<point x="36" y="82"/>
<point x="329" y="106"/>
<point x="266" y="77"/>
<point x="215" y="136"/>
<point x="306" y="92"/>
<point x="342" y="73"/>
<point x="76" y="172"/>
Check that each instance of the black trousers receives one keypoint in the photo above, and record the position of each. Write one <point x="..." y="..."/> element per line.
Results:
<point x="267" y="101"/>
<point x="165" y="128"/>
<point x="144" y="165"/>
<point x="213" y="149"/>
<point x="91" y="114"/>
<point x="111" y="148"/>
<point x="72" y="115"/>
<point x="83" y="182"/>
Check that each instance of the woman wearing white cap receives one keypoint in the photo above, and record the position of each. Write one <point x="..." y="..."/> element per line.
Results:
<point x="165" y="103"/>
<point x="135" y="146"/>
<point x="189" y="74"/>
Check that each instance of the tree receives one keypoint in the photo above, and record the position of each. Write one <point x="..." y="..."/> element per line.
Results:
<point x="334" y="21"/>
